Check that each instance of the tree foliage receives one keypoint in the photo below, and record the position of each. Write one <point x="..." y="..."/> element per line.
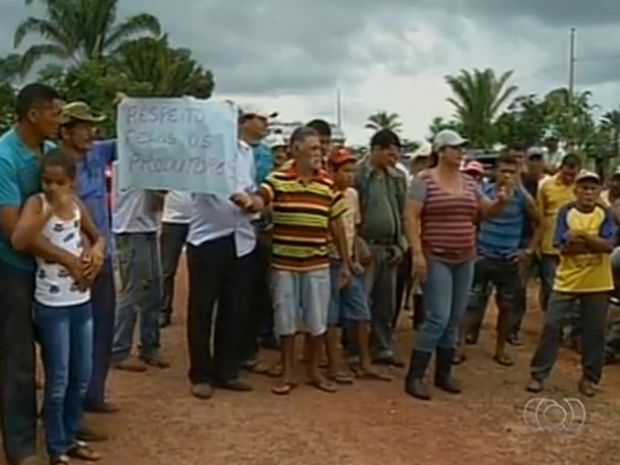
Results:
<point x="76" y="31"/>
<point x="478" y="97"/>
<point x="384" y="120"/>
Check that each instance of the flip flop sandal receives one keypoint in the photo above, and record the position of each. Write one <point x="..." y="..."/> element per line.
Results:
<point x="323" y="386"/>
<point x="83" y="451"/>
<point x="275" y="371"/>
<point x="374" y="376"/>
<point x="504" y="361"/>
<point x="341" y="379"/>
<point x="258" y="368"/>
<point x="283" y="389"/>
<point x="458" y="359"/>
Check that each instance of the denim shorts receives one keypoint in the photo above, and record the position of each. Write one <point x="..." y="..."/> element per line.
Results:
<point x="349" y="303"/>
<point x="301" y="301"/>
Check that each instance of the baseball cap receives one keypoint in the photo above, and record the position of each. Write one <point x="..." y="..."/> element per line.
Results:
<point x="250" y="109"/>
<point x="276" y="140"/>
<point x="535" y="152"/>
<point x="80" y="111"/>
<point x="423" y="151"/>
<point x="473" y="167"/>
<point x="341" y="156"/>
<point x="586" y="174"/>
<point x="448" y="138"/>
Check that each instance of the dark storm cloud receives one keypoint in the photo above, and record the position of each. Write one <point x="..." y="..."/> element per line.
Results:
<point x="560" y="13"/>
<point x="272" y="47"/>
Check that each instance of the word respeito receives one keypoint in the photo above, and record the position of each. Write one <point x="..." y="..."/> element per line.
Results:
<point x="163" y="114"/>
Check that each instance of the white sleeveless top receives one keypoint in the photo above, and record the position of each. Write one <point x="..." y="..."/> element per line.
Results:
<point x="54" y="285"/>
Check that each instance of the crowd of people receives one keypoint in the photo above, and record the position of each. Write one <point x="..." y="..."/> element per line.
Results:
<point x="314" y="241"/>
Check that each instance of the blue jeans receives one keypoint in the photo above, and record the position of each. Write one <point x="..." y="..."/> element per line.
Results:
<point x="547" y="265"/>
<point x="349" y="303"/>
<point x="446" y="293"/>
<point x="139" y="294"/>
<point x="103" y="300"/>
<point x="66" y="335"/>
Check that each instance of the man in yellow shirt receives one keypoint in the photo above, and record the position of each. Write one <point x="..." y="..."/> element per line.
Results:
<point x="584" y="236"/>
<point x="552" y="195"/>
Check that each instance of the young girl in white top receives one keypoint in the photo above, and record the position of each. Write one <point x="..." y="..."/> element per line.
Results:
<point x="62" y="310"/>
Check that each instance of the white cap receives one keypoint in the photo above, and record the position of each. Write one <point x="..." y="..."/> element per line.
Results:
<point x="250" y="109"/>
<point x="448" y="138"/>
<point x="423" y="151"/>
<point x="276" y="140"/>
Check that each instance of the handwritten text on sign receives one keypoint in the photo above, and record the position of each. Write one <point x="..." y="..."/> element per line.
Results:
<point x="177" y="144"/>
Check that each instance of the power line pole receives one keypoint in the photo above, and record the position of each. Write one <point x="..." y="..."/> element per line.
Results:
<point x="571" y="82"/>
<point x="338" y="109"/>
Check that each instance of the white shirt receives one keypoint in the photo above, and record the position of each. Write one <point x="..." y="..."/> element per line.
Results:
<point x="54" y="285"/>
<point x="216" y="217"/>
<point x="405" y="171"/>
<point x="178" y="207"/>
<point x="131" y="212"/>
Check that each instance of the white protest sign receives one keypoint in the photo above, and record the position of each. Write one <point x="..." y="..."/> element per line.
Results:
<point x="180" y="144"/>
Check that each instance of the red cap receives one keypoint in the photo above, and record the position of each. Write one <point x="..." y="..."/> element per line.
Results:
<point x="474" y="167"/>
<point x="340" y="156"/>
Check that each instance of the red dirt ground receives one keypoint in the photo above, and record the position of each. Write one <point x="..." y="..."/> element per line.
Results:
<point x="366" y="424"/>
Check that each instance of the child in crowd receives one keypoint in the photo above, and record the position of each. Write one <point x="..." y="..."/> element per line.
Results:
<point x="62" y="309"/>
<point x="348" y="305"/>
<point x="584" y="234"/>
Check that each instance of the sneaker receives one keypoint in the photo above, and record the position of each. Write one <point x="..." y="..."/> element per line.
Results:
<point x="202" y="391"/>
<point x="134" y="366"/>
<point x="586" y="387"/>
<point x="534" y="386"/>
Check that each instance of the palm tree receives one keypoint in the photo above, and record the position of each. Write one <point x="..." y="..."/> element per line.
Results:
<point x="439" y="124"/>
<point x="384" y="120"/>
<point x="9" y="68"/>
<point x="80" y="30"/>
<point x="169" y="72"/>
<point x="478" y="98"/>
<point x="610" y="123"/>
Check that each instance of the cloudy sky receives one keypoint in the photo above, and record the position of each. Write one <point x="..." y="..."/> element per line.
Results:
<point x="293" y="55"/>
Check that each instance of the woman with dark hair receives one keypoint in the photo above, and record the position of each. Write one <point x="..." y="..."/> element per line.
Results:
<point x="442" y="207"/>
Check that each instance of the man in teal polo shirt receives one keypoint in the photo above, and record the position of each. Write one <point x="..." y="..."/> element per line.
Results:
<point x="38" y="110"/>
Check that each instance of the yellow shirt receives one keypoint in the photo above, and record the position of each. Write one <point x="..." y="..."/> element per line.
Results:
<point x="553" y="194"/>
<point x="590" y="272"/>
<point x="351" y="219"/>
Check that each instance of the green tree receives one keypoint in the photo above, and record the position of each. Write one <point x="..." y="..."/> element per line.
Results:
<point x="610" y="122"/>
<point x="384" y="120"/>
<point x="93" y="82"/>
<point x="524" y="121"/>
<point x="9" y="71"/>
<point x="80" y="30"/>
<point x="439" y="124"/>
<point x="165" y="71"/>
<point x="479" y="96"/>
<point x="571" y="118"/>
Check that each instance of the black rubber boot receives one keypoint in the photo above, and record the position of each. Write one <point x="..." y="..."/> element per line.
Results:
<point x="414" y="381"/>
<point x="443" y="371"/>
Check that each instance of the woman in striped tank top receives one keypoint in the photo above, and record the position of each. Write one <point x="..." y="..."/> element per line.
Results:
<point x="442" y="207"/>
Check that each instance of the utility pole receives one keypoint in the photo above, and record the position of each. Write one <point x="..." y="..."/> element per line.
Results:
<point x="571" y="83"/>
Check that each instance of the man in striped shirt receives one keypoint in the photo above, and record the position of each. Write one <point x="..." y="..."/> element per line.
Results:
<point x="306" y="209"/>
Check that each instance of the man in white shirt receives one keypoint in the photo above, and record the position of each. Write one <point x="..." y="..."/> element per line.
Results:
<point x="134" y="224"/>
<point x="175" y="225"/>
<point x="222" y="269"/>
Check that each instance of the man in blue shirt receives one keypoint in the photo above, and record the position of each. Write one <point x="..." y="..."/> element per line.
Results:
<point x="92" y="158"/>
<point x="499" y="256"/>
<point x="38" y="110"/>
